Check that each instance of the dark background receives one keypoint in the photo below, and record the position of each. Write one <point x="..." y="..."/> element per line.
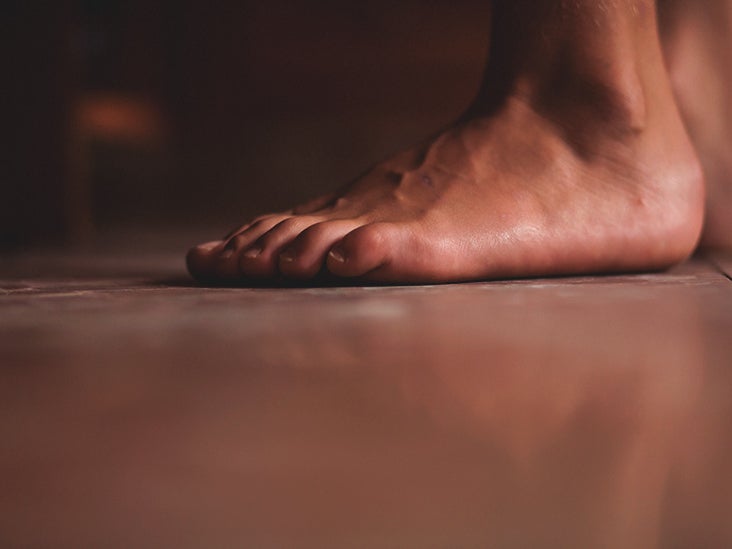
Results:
<point x="138" y="117"/>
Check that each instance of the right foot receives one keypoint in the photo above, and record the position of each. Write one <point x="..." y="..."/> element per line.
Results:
<point x="577" y="162"/>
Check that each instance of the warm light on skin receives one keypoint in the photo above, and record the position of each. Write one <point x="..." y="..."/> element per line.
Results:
<point x="572" y="159"/>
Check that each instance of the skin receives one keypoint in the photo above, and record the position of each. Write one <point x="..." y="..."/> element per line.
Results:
<point x="573" y="158"/>
<point x="698" y="48"/>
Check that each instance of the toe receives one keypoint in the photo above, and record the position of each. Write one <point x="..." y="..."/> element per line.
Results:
<point x="261" y="257"/>
<point x="249" y="233"/>
<point x="221" y="262"/>
<point x="200" y="259"/>
<point x="363" y="250"/>
<point x="305" y="256"/>
<point x="260" y="218"/>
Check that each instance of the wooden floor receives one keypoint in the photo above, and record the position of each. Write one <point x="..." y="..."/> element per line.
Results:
<point x="139" y="410"/>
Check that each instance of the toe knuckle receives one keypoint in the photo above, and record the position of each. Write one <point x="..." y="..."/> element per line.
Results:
<point x="238" y="241"/>
<point x="371" y="235"/>
<point x="290" y="224"/>
<point x="314" y="232"/>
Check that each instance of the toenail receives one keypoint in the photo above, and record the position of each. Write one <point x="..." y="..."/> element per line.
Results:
<point x="288" y="256"/>
<point x="338" y="255"/>
<point x="251" y="253"/>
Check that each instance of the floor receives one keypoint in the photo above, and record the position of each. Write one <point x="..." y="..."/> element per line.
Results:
<point x="139" y="410"/>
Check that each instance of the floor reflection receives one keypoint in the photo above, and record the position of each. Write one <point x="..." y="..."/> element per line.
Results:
<point x="519" y="415"/>
<point x="589" y="420"/>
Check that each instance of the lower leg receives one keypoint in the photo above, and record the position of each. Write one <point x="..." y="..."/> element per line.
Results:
<point x="697" y="40"/>
<point x="572" y="159"/>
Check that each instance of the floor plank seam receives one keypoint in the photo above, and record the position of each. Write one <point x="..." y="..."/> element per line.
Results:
<point x="718" y="267"/>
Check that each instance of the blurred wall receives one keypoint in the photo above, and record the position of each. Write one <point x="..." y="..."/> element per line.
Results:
<point x="179" y="114"/>
<point x="36" y="84"/>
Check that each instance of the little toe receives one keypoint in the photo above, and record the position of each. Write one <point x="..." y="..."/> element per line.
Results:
<point x="305" y="257"/>
<point x="200" y="259"/>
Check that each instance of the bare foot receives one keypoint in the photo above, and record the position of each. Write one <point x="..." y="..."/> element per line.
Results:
<point x="573" y="159"/>
<point x="698" y="47"/>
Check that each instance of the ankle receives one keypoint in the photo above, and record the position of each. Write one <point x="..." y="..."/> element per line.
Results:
<point x="572" y="64"/>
